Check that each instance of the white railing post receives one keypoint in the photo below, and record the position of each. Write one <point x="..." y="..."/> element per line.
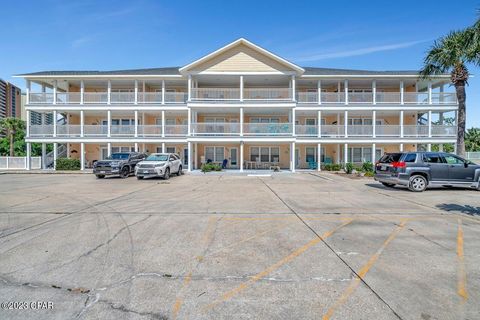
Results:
<point x="136" y="92"/>
<point x="82" y="123"/>
<point x="54" y="91"/>
<point x="109" y="123"/>
<point x="163" y="124"/>
<point x="346" y="91"/>
<point x="402" y="92"/>
<point x="55" y="155"/>
<point x="189" y="87"/>
<point x="241" y="121"/>
<point x="241" y="88"/>
<point x="82" y="156"/>
<point x="292" y="157"/>
<point x="319" y="157"/>
<point x="374" y="91"/>
<point x="345" y="117"/>
<point x="109" y="149"/>
<point x="241" y="156"/>
<point x="189" y="121"/>
<point x="28" y="123"/>
<point x="29" y="87"/>
<point x="189" y="151"/>
<point x="319" y="91"/>
<point x="293" y="88"/>
<point x="374" y="147"/>
<point x="374" y="124"/>
<point x="429" y="92"/>
<point x="109" y="92"/>
<point x="293" y="121"/>
<point x="429" y="123"/>
<point x="319" y="123"/>
<point x="29" y="155"/>
<point x="136" y="123"/>
<point x="345" y="154"/>
<point x="44" y="155"/>
<point x="401" y="147"/>
<point x="401" y="124"/>
<point x="163" y="91"/>
<point x="54" y="123"/>
<point x="82" y="92"/>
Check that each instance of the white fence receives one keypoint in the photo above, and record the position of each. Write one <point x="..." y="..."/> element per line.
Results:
<point x="473" y="155"/>
<point x="19" y="163"/>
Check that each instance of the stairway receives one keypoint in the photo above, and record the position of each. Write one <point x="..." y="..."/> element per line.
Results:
<point x="61" y="153"/>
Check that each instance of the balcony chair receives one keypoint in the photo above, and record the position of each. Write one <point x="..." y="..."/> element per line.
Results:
<point x="312" y="165"/>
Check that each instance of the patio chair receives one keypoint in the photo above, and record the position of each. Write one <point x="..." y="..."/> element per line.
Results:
<point x="224" y="163"/>
<point x="312" y="165"/>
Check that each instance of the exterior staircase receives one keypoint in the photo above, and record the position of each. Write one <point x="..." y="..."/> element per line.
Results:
<point x="61" y="153"/>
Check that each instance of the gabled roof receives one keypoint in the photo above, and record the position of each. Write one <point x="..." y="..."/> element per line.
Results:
<point x="249" y="44"/>
<point x="132" y="72"/>
<point x="313" y="71"/>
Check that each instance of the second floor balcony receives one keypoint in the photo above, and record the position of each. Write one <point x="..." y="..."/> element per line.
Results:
<point x="437" y="98"/>
<point x="247" y="95"/>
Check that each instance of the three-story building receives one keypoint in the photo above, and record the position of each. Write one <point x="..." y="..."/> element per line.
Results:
<point x="243" y="104"/>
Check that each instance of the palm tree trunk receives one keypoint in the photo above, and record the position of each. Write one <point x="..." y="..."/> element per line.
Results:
<point x="461" y="97"/>
<point x="11" y="145"/>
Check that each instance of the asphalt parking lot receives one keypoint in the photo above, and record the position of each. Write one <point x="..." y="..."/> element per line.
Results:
<point x="289" y="246"/>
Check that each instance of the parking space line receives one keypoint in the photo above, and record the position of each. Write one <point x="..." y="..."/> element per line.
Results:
<point x="230" y="294"/>
<point x="462" y="275"/>
<point x="363" y="272"/>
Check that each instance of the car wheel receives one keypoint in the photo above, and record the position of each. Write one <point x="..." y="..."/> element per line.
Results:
<point x="166" y="176"/>
<point x="139" y="178"/>
<point x="100" y="176"/>
<point x="125" y="172"/>
<point x="180" y="171"/>
<point x="390" y="185"/>
<point x="417" y="183"/>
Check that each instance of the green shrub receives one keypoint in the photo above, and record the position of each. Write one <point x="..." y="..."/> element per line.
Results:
<point x="367" y="167"/>
<point x="332" y="167"/>
<point x="348" y="167"/>
<point x="67" y="164"/>
<point x="207" y="167"/>
<point x="369" y="174"/>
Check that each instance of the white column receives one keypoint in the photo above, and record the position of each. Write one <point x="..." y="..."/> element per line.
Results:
<point x="109" y="123"/>
<point x="338" y="153"/>
<point x="163" y="92"/>
<point x="44" y="155"/>
<point x="429" y="147"/>
<point x="319" y="123"/>
<point x="109" y="92"/>
<point x="29" y="155"/>
<point x="401" y="147"/>
<point x="136" y="146"/>
<point x="163" y="147"/>
<point x="293" y="121"/>
<point x="374" y="91"/>
<point x="82" y="92"/>
<point x="136" y="123"/>
<point x="55" y="154"/>
<point x="402" y="92"/>
<point x="189" y="121"/>
<point x="429" y="92"/>
<point x="163" y="124"/>
<point x="345" y="153"/>
<point x="68" y="150"/>
<point x="241" y="121"/>
<point x="241" y="156"/>
<point x="292" y="157"/>
<point x="345" y="119"/>
<point x="293" y="88"/>
<point x="319" y="91"/>
<point x="346" y="91"/>
<point x="54" y="91"/>
<point x="440" y="147"/>
<point x="29" y="87"/>
<point x="136" y="91"/>
<point x="401" y="124"/>
<point x="28" y="123"/>
<point x="82" y="123"/>
<point x="143" y="90"/>
<point x="455" y="148"/>
<point x="429" y="123"/>
<point x="374" y="124"/>
<point x="82" y="156"/>
<point x="374" y="147"/>
<point x="109" y="149"/>
<point x="319" y="157"/>
<point x="189" y="87"/>
<point x="54" y="123"/>
<point x="189" y="163"/>
<point x="241" y="88"/>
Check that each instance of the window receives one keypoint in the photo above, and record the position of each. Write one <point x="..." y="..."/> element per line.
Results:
<point x="432" y="158"/>
<point x="216" y="154"/>
<point x="410" y="157"/>
<point x="453" y="160"/>
<point x="170" y="122"/>
<point x="364" y="154"/>
<point x="310" y="154"/>
<point x="171" y="149"/>
<point x="264" y="120"/>
<point x="265" y="154"/>
<point x="390" y="157"/>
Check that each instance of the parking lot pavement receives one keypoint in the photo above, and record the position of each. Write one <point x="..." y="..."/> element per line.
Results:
<point x="298" y="246"/>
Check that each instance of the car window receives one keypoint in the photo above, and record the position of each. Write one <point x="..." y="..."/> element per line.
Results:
<point x="410" y="157"/>
<point x="157" y="157"/>
<point x="450" y="159"/>
<point x="390" y="157"/>
<point x="118" y="156"/>
<point x="432" y="158"/>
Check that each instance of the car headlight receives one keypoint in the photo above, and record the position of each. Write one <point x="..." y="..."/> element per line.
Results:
<point x="115" y="164"/>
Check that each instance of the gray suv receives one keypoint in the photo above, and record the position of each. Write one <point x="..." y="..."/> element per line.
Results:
<point x="120" y="164"/>
<point x="417" y="170"/>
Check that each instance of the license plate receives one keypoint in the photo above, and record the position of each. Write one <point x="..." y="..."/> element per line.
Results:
<point x="383" y="168"/>
<point x="145" y="171"/>
<point x="102" y="171"/>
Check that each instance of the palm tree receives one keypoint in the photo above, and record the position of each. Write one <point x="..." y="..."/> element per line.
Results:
<point x="451" y="54"/>
<point x="11" y="126"/>
<point x="472" y="140"/>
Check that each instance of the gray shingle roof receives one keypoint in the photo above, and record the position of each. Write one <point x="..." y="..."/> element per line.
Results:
<point x="330" y="71"/>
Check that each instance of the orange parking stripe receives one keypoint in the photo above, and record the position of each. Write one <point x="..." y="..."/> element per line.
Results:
<point x="230" y="294"/>
<point x="362" y="273"/>
<point x="462" y="275"/>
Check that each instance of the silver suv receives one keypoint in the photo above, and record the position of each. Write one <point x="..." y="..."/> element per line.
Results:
<point x="417" y="170"/>
<point x="159" y="165"/>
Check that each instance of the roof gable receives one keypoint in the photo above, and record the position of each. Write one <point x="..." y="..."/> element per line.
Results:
<point x="241" y="56"/>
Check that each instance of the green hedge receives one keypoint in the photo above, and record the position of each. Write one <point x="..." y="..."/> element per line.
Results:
<point x="207" y="167"/>
<point x="332" y="167"/>
<point x="67" y="164"/>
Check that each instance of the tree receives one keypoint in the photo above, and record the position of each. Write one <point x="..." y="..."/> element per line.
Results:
<point x="12" y="127"/>
<point x="472" y="140"/>
<point x="451" y="54"/>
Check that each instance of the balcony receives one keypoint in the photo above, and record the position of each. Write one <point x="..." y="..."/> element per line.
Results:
<point x="438" y="98"/>
<point x="267" y="129"/>
<point x="215" y="129"/>
<point x="234" y="95"/>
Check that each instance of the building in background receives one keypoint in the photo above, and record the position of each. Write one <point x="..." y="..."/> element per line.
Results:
<point x="10" y="100"/>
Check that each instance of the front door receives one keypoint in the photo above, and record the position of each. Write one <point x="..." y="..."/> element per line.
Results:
<point x="234" y="157"/>
<point x="438" y="168"/>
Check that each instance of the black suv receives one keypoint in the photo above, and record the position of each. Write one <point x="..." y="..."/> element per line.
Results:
<point x="417" y="170"/>
<point x="118" y="164"/>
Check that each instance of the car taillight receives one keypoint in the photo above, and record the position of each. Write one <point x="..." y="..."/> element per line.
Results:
<point x="399" y="164"/>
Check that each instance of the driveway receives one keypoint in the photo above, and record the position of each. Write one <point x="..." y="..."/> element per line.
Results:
<point x="288" y="246"/>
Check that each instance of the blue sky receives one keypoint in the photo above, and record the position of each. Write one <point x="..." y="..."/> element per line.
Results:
<point x="105" y="35"/>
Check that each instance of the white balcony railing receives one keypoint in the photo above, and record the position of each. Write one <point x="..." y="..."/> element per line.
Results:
<point x="122" y="97"/>
<point x="267" y="129"/>
<point x="307" y="97"/>
<point x="149" y="97"/>
<point x="122" y="130"/>
<point x="415" y="97"/>
<point x="215" y="129"/>
<point x="176" y="97"/>
<point x="68" y="97"/>
<point x="387" y="131"/>
<point x="149" y="131"/>
<point x="360" y="130"/>
<point x="415" y="131"/>
<point x="41" y="97"/>
<point x="68" y="130"/>
<point x="333" y="97"/>
<point x="360" y="97"/>
<point x="306" y="130"/>
<point x="333" y="131"/>
<point x="95" y="97"/>
<point x="95" y="130"/>
<point x="388" y="97"/>
<point x="215" y="94"/>
<point x="41" y="130"/>
<point x="444" y="98"/>
<point x="267" y="94"/>
<point x="444" y="131"/>
<point x="176" y="130"/>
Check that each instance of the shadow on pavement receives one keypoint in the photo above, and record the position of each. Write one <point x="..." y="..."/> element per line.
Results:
<point x="467" y="209"/>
